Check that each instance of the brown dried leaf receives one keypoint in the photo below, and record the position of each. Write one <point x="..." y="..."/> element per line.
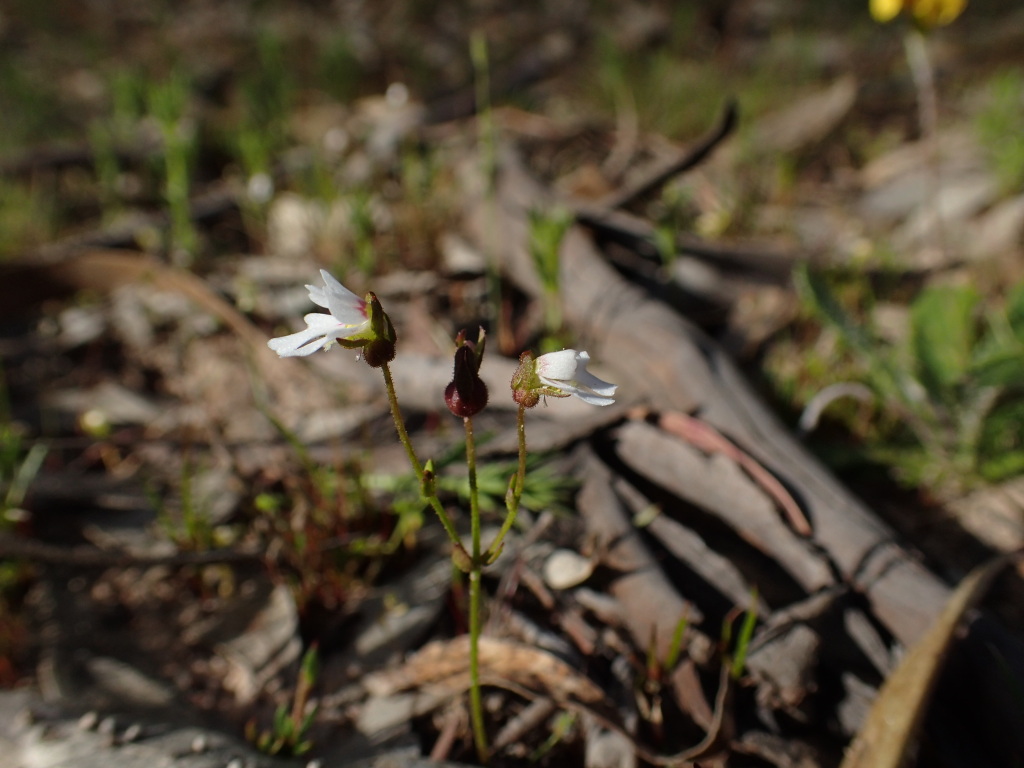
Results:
<point x="892" y="725"/>
<point x="445" y="664"/>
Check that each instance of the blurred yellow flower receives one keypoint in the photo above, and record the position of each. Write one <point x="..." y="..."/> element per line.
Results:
<point x="926" y="13"/>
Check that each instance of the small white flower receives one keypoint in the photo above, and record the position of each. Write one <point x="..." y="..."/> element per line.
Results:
<point x="348" y="317"/>
<point x="566" y="372"/>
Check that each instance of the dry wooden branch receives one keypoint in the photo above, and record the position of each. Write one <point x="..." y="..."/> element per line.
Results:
<point x="663" y="362"/>
<point x="13" y="547"/>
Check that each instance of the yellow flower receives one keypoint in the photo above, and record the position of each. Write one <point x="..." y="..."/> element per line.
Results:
<point x="926" y="13"/>
<point x="885" y="10"/>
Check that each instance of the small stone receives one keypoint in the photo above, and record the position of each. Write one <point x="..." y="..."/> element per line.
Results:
<point x="131" y="733"/>
<point x="199" y="744"/>
<point x="565" y="569"/>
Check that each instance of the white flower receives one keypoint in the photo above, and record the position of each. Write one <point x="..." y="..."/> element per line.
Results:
<point x="348" y="317"/>
<point x="566" y="373"/>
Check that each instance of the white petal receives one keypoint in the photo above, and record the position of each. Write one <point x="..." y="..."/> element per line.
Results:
<point x="321" y="321"/>
<point x="344" y="305"/>
<point x="559" y="365"/>
<point x="593" y="399"/>
<point x="567" y="371"/>
<point x="318" y="296"/>
<point x="330" y="324"/>
<point x="308" y="349"/>
<point x="589" y="381"/>
<point x="332" y="285"/>
<point x="334" y="296"/>
<point x="296" y="344"/>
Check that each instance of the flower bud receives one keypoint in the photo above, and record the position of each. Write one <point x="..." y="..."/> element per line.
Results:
<point x="378" y="341"/>
<point x="466" y="395"/>
<point x="377" y="353"/>
<point x="526" y="387"/>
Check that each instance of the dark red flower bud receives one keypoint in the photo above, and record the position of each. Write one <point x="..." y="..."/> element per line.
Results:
<point x="467" y="393"/>
<point x="378" y="352"/>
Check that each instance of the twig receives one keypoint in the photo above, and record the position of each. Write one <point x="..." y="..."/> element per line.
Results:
<point x="684" y="162"/>
<point x="704" y="436"/>
<point x="13" y="547"/>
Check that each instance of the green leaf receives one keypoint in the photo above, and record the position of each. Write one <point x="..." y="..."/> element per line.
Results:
<point x="1015" y="310"/>
<point x="743" y="639"/>
<point x="1001" y="467"/>
<point x="281" y="722"/>
<point x="310" y="668"/>
<point x="884" y="376"/>
<point x="816" y="292"/>
<point x="1004" y="368"/>
<point x="943" y="332"/>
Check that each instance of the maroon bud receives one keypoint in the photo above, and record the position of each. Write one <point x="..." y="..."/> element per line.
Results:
<point x="378" y="352"/>
<point x="466" y="395"/>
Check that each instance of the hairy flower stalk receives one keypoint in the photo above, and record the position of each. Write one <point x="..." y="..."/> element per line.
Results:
<point x="465" y="397"/>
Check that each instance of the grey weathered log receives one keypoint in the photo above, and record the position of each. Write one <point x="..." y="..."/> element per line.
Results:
<point x="36" y="734"/>
<point x="662" y="361"/>
<point x="650" y="604"/>
<point x="33" y="733"/>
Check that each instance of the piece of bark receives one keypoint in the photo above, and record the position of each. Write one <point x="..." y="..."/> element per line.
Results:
<point x="890" y="733"/>
<point x="659" y="359"/>
<point x="652" y="607"/>
<point x="36" y="734"/>
<point x="718" y="485"/>
<point x="688" y="546"/>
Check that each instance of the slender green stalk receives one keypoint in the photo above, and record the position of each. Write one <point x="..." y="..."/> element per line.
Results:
<point x="476" y="709"/>
<point x="923" y="73"/>
<point x="426" y="484"/>
<point x="515" y="492"/>
<point x="396" y="414"/>
<point x="487" y="139"/>
<point x="474" y="501"/>
<point x="521" y="477"/>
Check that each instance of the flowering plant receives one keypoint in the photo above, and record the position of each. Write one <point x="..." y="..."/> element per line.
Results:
<point x="356" y="323"/>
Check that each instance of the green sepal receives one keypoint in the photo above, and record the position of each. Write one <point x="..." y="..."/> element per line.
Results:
<point x="428" y="486"/>
<point x="379" y="329"/>
<point x="462" y="559"/>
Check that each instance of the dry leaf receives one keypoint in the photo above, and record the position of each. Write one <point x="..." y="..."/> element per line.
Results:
<point x="893" y="722"/>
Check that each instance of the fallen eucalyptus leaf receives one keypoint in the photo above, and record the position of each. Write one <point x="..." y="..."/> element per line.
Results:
<point x="896" y="716"/>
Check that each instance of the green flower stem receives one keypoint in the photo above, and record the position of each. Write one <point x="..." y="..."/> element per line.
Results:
<point x="515" y="493"/>
<point x="426" y="485"/>
<point x="476" y="708"/>
<point x="922" y="71"/>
